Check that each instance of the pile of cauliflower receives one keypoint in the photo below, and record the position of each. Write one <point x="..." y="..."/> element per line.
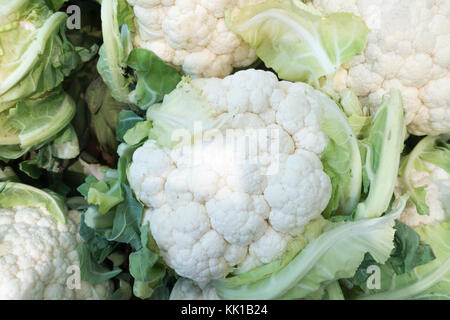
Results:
<point x="215" y="210"/>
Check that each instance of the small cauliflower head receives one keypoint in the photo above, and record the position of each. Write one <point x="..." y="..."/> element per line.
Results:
<point x="408" y="48"/>
<point x="38" y="256"/>
<point x="192" y="35"/>
<point x="213" y="207"/>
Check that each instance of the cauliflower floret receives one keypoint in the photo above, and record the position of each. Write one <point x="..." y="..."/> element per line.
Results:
<point x="221" y="205"/>
<point x="437" y="187"/>
<point x="186" y="289"/>
<point x="237" y="216"/>
<point x="291" y="193"/>
<point x="192" y="35"/>
<point x="38" y="257"/>
<point x="409" y="49"/>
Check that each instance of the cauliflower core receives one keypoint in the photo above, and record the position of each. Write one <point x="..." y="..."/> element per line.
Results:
<point x="437" y="187"/>
<point x="36" y="254"/>
<point x="409" y="49"/>
<point x="192" y="34"/>
<point x="211" y="216"/>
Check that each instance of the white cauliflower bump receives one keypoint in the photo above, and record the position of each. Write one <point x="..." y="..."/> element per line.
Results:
<point x="192" y="34"/>
<point x="408" y="49"/>
<point x="186" y="289"/>
<point x="212" y="213"/>
<point x="36" y="254"/>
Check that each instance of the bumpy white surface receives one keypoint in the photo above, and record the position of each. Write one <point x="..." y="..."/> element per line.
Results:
<point x="192" y="34"/>
<point x="35" y="254"/>
<point x="437" y="187"/>
<point x="186" y="289"/>
<point x="408" y="48"/>
<point x="215" y="215"/>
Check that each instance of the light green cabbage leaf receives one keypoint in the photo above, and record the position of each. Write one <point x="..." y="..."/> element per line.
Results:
<point x="35" y="55"/>
<point x="33" y="123"/>
<point x="358" y="119"/>
<point x="7" y="174"/>
<point x="14" y="195"/>
<point x="341" y="160"/>
<point x="175" y="120"/>
<point x="298" y="42"/>
<point x="117" y="45"/>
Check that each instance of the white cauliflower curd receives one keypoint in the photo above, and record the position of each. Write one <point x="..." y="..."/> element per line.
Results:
<point x="192" y="35"/>
<point x="37" y="255"/>
<point x="409" y="49"/>
<point x="212" y="215"/>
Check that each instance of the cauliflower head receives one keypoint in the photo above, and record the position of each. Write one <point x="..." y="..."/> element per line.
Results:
<point x="216" y="212"/>
<point x="409" y="49"/>
<point x="36" y="256"/>
<point x="192" y="35"/>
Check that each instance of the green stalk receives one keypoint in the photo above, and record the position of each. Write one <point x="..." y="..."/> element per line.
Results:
<point x="385" y="144"/>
